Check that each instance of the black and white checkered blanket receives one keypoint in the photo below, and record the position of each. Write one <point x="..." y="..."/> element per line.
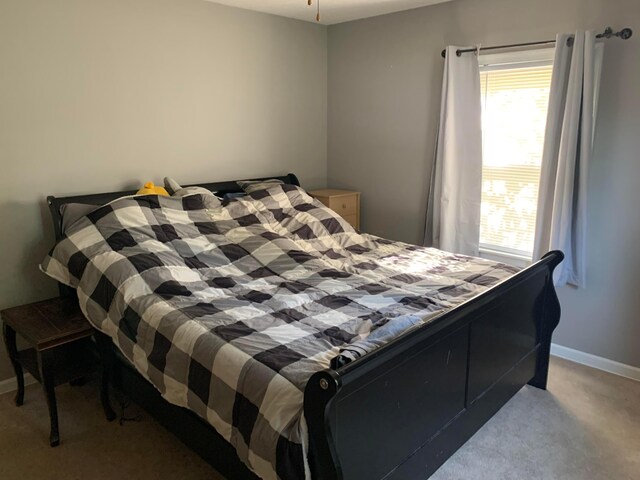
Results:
<point x="229" y="309"/>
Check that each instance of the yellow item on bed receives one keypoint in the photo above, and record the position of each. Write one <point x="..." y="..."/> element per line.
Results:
<point x="150" y="189"/>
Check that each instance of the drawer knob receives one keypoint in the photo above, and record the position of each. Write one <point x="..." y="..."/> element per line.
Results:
<point x="344" y="205"/>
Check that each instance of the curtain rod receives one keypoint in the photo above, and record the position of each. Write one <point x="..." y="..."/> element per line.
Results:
<point x="624" y="34"/>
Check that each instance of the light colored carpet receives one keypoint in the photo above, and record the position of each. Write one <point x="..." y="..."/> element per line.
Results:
<point x="587" y="426"/>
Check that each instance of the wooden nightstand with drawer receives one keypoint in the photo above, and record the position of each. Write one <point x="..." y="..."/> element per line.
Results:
<point x="346" y="203"/>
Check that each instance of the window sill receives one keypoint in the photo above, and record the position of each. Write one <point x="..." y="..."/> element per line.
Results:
<point x="520" y="261"/>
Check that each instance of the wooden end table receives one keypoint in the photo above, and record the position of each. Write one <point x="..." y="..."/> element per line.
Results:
<point x="60" y="350"/>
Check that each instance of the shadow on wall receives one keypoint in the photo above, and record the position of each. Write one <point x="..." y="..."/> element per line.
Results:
<point x="26" y="236"/>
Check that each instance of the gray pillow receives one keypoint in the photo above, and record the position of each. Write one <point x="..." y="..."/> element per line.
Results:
<point x="181" y="192"/>
<point x="251" y="186"/>
<point x="171" y="186"/>
<point x="72" y="212"/>
<point x="176" y="190"/>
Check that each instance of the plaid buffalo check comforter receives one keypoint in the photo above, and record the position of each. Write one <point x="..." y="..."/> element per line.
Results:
<point x="228" y="309"/>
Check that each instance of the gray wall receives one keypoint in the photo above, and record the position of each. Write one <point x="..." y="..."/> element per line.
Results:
<point x="385" y="77"/>
<point x="102" y="95"/>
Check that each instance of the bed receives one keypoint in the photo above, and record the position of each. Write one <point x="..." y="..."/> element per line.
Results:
<point x="417" y="397"/>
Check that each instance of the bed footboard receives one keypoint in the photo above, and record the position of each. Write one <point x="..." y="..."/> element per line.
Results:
<point x="401" y="411"/>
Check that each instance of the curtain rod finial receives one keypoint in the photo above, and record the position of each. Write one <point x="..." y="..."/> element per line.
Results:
<point x="624" y="34"/>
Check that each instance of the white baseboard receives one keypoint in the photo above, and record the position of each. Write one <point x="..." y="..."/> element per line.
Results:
<point x="594" y="361"/>
<point x="10" y="384"/>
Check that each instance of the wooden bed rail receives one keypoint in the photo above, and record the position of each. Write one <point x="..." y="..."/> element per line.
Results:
<point x="402" y="410"/>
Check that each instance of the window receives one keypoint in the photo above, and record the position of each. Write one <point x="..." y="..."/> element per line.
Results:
<point x="515" y="95"/>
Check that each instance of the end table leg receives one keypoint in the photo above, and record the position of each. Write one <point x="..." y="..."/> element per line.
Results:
<point x="106" y="356"/>
<point x="9" y="335"/>
<point x="45" y="364"/>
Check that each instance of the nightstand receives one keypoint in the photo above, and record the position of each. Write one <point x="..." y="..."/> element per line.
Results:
<point x="60" y="349"/>
<point x="345" y="203"/>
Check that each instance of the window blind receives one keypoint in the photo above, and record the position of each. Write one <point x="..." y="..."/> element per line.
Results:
<point x="514" y="114"/>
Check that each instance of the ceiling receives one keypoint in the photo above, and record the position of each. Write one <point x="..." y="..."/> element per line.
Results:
<point x="331" y="11"/>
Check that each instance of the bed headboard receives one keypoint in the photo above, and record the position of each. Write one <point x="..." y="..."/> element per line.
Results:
<point x="221" y="188"/>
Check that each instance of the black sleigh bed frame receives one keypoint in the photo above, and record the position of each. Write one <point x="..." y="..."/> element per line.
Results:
<point x="402" y="410"/>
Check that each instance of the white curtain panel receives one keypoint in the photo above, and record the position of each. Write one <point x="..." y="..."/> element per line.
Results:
<point x="453" y="212"/>
<point x="562" y="201"/>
